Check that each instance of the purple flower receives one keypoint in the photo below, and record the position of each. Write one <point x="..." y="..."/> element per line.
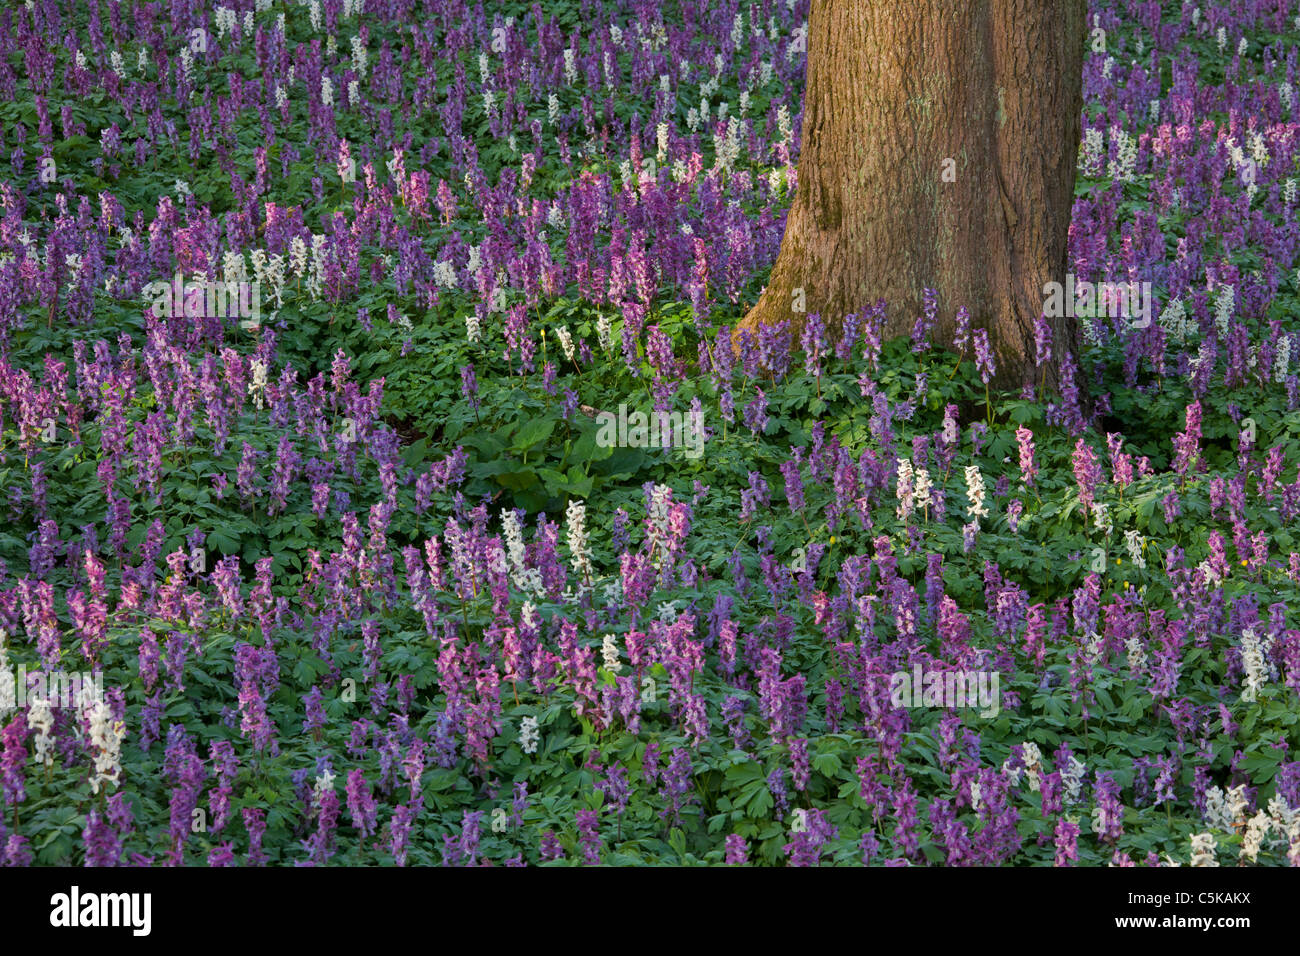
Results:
<point x="793" y="485"/>
<point x="399" y="832"/>
<point x="1067" y="840"/>
<point x="807" y="844"/>
<point x="677" y="783"/>
<point x="550" y="847"/>
<point x="799" y="769"/>
<point x="316" y="718"/>
<point x="961" y="333"/>
<point x="361" y="804"/>
<point x="737" y="852"/>
<point x="589" y="836"/>
<point x="13" y="758"/>
<point x="614" y="786"/>
<point x="255" y="824"/>
<point x="984" y="356"/>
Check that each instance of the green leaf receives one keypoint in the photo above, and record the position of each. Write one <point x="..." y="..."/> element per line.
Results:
<point x="532" y="432"/>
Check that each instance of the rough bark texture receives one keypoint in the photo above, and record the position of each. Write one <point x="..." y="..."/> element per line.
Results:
<point x="895" y="89"/>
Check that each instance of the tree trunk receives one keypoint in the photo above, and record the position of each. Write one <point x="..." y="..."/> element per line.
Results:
<point x="939" y="147"/>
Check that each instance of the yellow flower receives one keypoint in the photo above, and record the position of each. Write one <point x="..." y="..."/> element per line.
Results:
<point x="832" y="539"/>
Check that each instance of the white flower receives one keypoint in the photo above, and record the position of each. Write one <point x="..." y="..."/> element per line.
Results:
<point x="1258" y="149"/>
<point x="1092" y="153"/>
<point x="1203" y="847"/>
<point x="359" y="56"/>
<point x="275" y="276"/>
<point x="576" y="520"/>
<point x="905" y="491"/>
<point x="528" y="735"/>
<point x="232" y="266"/>
<point x="1072" y="778"/>
<point x="1253" y="652"/>
<point x="472" y="330"/>
<point x="1237" y="805"/>
<point x="257" y="387"/>
<point x="612" y="590"/>
<point x="922" y="488"/>
<point x="1173" y="319"/>
<point x="566" y="341"/>
<point x="1256" y="830"/>
<point x="776" y="180"/>
<point x="1224" y="308"/>
<point x="40" y="718"/>
<point x="225" y="19"/>
<point x="975" y="493"/>
<point x="8" y="689"/>
<point x="444" y="274"/>
<point x="514" y="539"/>
<point x="1216" y="809"/>
<point x="1101" y="515"/>
<point x="106" y="737"/>
<point x="1137" y="659"/>
<point x="297" y="256"/>
<point x="1033" y="764"/>
<point x="609" y="652"/>
<point x="1134" y="542"/>
<point x="657" y="518"/>
<point x="1282" y="813"/>
<point x="1121" y="167"/>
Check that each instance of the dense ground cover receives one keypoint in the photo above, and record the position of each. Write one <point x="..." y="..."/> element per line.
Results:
<point x="365" y="588"/>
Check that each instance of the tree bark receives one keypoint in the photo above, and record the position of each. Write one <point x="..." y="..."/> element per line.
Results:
<point x="898" y="94"/>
